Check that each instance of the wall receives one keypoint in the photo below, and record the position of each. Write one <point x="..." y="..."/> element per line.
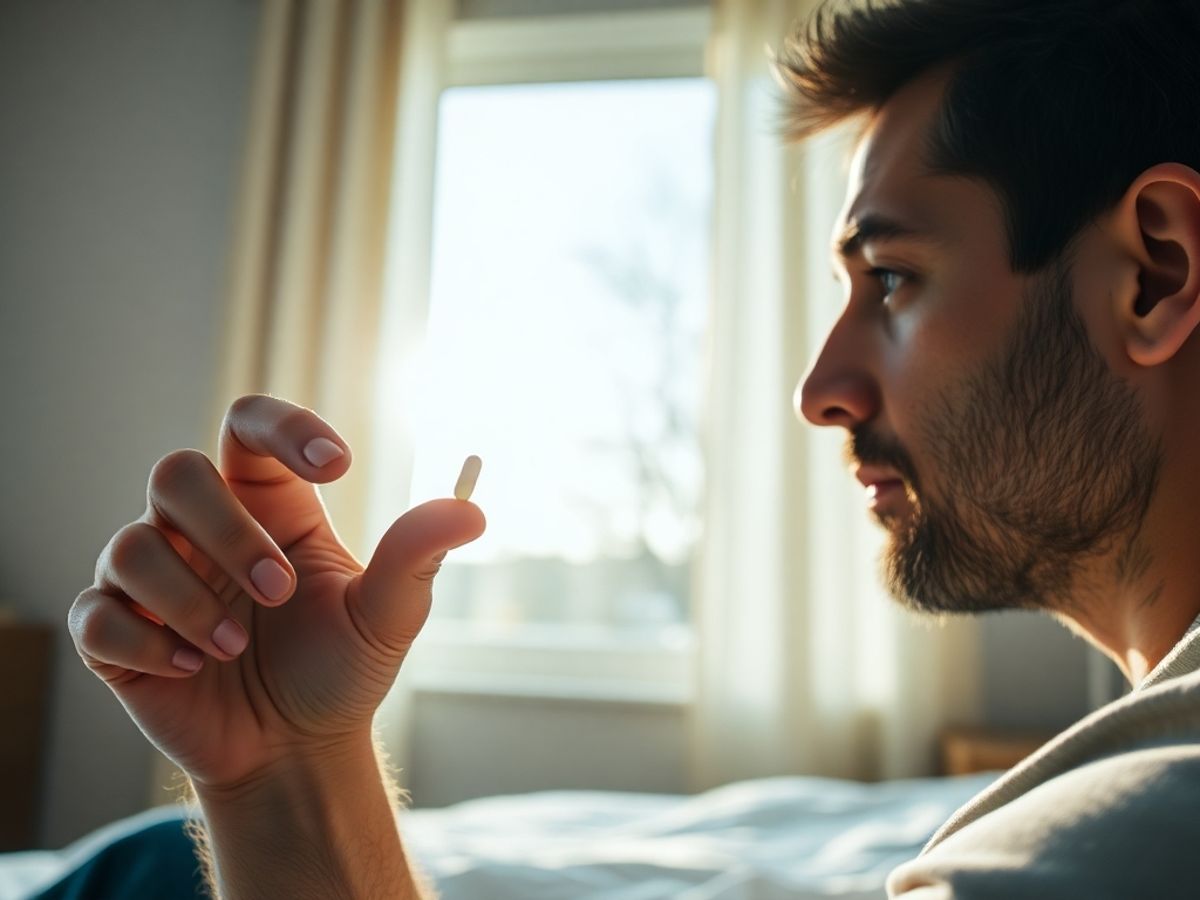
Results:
<point x="1035" y="672"/>
<point x="122" y="128"/>
<point x="470" y="745"/>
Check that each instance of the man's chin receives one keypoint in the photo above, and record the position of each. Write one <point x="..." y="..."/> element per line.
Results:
<point x="897" y="519"/>
<point x="923" y="601"/>
<point x="914" y="568"/>
<point x="910" y="580"/>
<point x="890" y="521"/>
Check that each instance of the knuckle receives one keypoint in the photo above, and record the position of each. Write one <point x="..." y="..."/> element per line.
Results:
<point x="244" y="406"/>
<point x="92" y="627"/>
<point x="132" y="546"/>
<point x="177" y="468"/>
<point x="77" y="614"/>
<point x="241" y="405"/>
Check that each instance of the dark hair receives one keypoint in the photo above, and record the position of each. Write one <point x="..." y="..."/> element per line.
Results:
<point x="1057" y="104"/>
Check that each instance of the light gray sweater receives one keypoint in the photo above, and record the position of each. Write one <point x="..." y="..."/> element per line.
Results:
<point x="1108" y="809"/>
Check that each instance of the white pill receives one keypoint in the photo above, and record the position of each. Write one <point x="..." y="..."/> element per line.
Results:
<point x="467" y="477"/>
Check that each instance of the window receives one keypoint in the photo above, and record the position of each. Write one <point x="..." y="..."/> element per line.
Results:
<point x="568" y="302"/>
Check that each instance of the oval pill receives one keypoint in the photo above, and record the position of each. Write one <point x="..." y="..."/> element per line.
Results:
<point x="467" y="477"/>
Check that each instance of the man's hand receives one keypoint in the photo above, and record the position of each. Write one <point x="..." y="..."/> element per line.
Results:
<point x="236" y="570"/>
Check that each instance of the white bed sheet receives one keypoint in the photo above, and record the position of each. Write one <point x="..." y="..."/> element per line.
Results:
<point x="766" y="839"/>
<point x="755" y="840"/>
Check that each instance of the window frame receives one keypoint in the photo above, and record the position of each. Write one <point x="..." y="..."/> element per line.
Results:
<point x="557" y="662"/>
<point x="657" y="43"/>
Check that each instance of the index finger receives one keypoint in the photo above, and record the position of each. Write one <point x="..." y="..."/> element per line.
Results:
<point x="265" y="439"/>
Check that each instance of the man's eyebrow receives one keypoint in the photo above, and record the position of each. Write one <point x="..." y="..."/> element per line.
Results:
<point x="875" y="227"/>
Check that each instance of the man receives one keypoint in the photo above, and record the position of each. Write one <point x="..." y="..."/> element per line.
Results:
<point x="1014" y="367"/>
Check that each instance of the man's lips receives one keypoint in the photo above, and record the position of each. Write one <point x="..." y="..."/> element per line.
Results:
<point x="879" y="482"/>
<point x="873" y="475"/>
<point x="881" y="489"/>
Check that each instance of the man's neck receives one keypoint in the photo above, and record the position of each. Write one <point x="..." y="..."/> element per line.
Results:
<point x="1137" y="602"/>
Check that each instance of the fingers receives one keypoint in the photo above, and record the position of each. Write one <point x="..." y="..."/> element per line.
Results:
<point x="188" y="493"/>
<point x="393" y="595"/>
<point x="271" y="452"/>
<point x="144" y="567"/>
<point x="266" y="439"/>
<point x="107" y="631"/>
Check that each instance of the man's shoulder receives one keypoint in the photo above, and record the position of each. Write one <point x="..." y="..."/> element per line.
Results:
<point x="1100" y="811"/>
<point x="1102" y="798"/>
<point x="1122" y="825"/>
<point x="1164" y="714"/>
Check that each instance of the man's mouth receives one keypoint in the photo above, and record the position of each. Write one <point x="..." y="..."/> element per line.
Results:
<point x="883" y="486"/>
<point x="882" y="492"/>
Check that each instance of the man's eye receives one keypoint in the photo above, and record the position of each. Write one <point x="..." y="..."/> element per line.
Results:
<point x="889" y="279"/>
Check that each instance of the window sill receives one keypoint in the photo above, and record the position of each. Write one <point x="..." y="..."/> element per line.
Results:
<point x="554" y="663"/>
<point x="556" y="689"/>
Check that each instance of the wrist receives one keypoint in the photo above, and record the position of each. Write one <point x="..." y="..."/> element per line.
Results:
<point x="318" y="822"/>
<point x="320" y="766"/>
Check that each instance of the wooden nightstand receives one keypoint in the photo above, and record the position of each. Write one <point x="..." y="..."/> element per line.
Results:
<point x="25" y="652"/>
<point x="968" y="750"/>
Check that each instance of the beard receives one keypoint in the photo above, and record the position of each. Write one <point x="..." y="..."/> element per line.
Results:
<point x="1042" y="461"/>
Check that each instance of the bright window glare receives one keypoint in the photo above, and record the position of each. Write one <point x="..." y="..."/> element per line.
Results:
<point x="565" y="346"/>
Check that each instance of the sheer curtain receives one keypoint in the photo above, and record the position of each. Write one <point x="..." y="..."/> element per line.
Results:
<point x="804" y="666"/>
<point x="308" y="249"/>
<point x="333" y="218"/>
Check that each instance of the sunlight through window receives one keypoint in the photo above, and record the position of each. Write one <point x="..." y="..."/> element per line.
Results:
<point x="568" y="308"/>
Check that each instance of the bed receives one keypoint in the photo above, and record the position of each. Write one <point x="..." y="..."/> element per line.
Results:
<point x="765" y="839"/>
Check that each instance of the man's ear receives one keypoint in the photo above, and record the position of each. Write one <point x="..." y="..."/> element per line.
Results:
<point x="1159" y="224"/>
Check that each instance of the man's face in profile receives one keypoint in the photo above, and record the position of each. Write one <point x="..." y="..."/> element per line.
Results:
<point x="998" y="448"/>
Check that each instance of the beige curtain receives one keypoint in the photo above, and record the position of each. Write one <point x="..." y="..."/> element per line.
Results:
<point x="331" y="243"/>
<point x="308" y="250"/>
<point x="803" y="667"/>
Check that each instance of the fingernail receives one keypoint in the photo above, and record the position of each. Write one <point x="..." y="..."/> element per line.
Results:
<point x="187" y="659"/>
<point x="322" y="451"/>
<point x="271" y="579"/>
<point x="230" y="637"/>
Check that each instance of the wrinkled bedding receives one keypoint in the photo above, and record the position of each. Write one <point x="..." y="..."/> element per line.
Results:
<point x="765" y="839"/>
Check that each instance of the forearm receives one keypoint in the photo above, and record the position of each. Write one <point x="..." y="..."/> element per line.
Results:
<point x="323" y="827"/>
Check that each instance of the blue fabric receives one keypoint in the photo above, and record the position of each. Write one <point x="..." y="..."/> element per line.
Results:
<point x="155" y="863"/>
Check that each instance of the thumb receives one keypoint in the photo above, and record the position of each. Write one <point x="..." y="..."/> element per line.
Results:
<point x="396" y="588"/>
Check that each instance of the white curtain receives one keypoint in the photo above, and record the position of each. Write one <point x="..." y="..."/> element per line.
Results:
<point x="804" y="666"/>
<point x="308" y="244"/>
<point x="331" y="242"/>
<point x="309" y="239"/>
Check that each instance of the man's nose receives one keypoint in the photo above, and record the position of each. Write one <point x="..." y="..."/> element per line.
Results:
<point x="838" y="388"/>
